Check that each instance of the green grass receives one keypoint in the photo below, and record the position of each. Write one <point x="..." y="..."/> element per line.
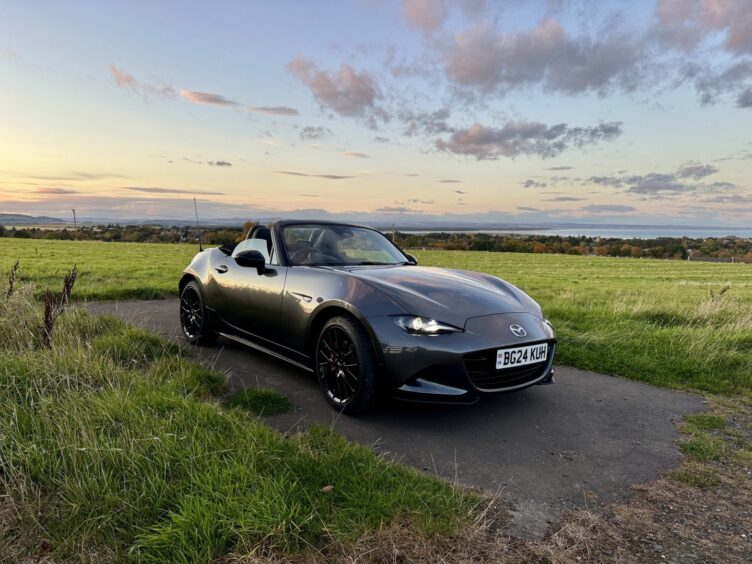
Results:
<point x="106" y="271"/>
<point x="259" y="401"/>
<point x="115" y="445"/>
<point x="669" y="323"/>
<point x="706" y="421"/>
<point x="697" y="475"/>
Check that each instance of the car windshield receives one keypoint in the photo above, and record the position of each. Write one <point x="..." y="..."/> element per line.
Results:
<point x="338" y="245"/>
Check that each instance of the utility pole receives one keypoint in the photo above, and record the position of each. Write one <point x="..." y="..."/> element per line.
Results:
<point x="75" y="226"/>
<point x="394" y="234"/>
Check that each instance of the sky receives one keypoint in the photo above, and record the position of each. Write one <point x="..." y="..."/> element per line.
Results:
<point x="631" y="112"/>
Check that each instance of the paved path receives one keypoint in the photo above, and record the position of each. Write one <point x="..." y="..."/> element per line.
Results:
<point x="545" y="447"/>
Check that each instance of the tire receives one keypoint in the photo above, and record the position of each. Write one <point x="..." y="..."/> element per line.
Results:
<point x="194" y="318"/>
<point x="345" y="365"/>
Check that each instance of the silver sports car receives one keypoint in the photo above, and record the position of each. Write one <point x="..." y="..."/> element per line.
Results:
<point x="346" y="303"/>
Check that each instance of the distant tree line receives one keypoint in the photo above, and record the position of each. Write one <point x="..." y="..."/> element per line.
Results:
<point x="133" y="233"/>
<point x="661" y="247"/>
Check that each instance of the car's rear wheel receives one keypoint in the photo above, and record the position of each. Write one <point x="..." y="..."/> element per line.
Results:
<point x="194" y="319"/>
<point x="346" y="366"/>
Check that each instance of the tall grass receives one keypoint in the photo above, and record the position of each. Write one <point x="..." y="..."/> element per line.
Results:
<point x="114" y="445"/>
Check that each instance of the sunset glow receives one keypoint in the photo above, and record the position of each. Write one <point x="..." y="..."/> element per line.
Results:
<point x="630" y="112"/>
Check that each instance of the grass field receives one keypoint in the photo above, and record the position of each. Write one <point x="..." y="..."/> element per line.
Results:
<point x="671" y="323"/>
<point x="116" y="446"/>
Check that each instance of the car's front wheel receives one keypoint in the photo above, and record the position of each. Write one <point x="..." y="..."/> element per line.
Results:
<point x="346" y="366"/>
<point x="194" y="320"/>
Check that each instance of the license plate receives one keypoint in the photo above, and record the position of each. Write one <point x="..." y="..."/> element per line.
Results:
<point x="520" y="356"/>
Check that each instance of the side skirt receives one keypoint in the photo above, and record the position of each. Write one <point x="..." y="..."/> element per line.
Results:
<point x="265" y="350"/>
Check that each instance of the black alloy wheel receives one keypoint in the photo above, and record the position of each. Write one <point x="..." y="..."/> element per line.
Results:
<point x="345" y="365"/>
<point x="193" y="316"/>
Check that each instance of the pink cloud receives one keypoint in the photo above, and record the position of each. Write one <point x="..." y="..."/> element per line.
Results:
<point x="206" y="98"/>
<point x="427" y="15"/>
<point x="345" y="91"/>
<point x="687" y="22"/>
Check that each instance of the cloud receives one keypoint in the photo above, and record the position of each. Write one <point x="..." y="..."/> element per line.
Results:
<point x="419" y="201"/>
<point x="381" y="139"/>
<point x="744" y="99"/>
<point x="713" y="84"/>
<point x="75" y="176"/>
<point x="556" y="168"/>
<point x="157" y="190"/>
<point x="356" y="155"/>
<point x="666" y="184"/>
<point x="124" y="79"/>
<point x="530" y="183"/>
<point x="517" y="138"/>
<point x="565" y="199"/>
<point x="397" y="209"/>
<point x="219" y="163"/>
<point x="449" y="181"/>
<point x="480" y="58"/>
<point x="50" y="190"/>
<point x="273" y="110"/>
<point x="346" y="92"/>
<point x="309" y="195"/>
<point x="687" y="22"/>
<point x="425" y="123"/>
<point x="427" y="15"/>
<point x="129" y="83"/>
<point x="460" y="192"/>
<point x="608" y="208"/>
<point x="611" y="181"/>
<point x="310" y="133"/>
<point x="207" y="99"/>
<point x="696" y="171"/>
<point x="325" y="176"/>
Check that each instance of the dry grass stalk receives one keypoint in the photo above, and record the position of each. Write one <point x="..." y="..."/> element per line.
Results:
<point x="54" y="305"/>
<point x="12" y="279"/>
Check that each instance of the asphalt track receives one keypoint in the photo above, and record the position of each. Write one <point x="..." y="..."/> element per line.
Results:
<point x="582" y="442"/>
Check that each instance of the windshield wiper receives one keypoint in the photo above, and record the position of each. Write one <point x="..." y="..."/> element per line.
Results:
<point x="373" y="263"/>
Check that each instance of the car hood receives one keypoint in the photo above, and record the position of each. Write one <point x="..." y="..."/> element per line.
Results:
<point x="451" y="296"/>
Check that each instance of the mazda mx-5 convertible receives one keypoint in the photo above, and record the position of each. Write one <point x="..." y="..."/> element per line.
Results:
<point x="344" y="302"/>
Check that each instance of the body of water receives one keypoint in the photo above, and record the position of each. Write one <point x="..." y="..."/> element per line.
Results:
<point x="650" y="232"/>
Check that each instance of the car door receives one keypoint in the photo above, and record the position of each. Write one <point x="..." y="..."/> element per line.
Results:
<point x="246" y="298"/>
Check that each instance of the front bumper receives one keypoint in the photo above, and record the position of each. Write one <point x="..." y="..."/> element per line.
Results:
<point x="460" y="367"/>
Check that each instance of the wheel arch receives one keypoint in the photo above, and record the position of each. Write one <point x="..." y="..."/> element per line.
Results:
<point x="325" y="312"/>
<point x="187" y="277"/>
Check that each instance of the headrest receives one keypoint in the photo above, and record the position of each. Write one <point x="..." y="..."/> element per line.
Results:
<point x="252" y="245"/>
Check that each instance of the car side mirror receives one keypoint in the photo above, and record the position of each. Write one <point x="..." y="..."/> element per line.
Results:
<point x="251" y="259"/>
<point x="411" y="259"/>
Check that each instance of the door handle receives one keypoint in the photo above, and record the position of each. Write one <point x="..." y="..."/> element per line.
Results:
<point x="222" y="268"/>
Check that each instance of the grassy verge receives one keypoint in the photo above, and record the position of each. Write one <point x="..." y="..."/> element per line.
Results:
<point x="115" y="445"/>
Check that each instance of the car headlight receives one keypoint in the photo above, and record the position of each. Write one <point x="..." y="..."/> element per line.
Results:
<point x="416" y="325"/>
<point x="549" y="329"/>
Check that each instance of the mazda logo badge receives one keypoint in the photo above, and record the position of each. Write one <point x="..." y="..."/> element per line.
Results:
<point x="518" y="330"/>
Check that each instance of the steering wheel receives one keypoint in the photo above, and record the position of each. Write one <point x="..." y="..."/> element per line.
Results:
<point x="302" y="256"/>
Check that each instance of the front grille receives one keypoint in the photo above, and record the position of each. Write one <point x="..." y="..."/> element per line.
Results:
<point x="481" y="369"/>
